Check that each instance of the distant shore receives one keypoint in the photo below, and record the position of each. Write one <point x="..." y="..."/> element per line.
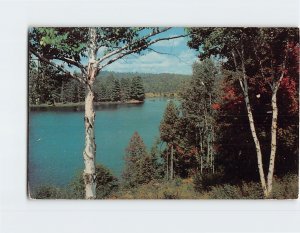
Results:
<point x="81" y="104"/>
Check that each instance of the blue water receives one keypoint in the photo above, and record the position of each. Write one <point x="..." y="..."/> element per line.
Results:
<point x="56" y="139"/>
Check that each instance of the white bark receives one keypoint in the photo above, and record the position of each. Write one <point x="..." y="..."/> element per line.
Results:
<point x="244" y="86"/>
<point x="273" y="134"/>
<point x="273" y="142"/>
<point x="257" y="145"/>
<point x="89" y="153"/>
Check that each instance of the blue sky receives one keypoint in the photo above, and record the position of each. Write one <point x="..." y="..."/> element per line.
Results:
<point x="177" y="57"/>
<point x="178" y="60"/>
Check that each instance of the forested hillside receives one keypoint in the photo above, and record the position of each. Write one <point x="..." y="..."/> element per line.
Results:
<point x="46" y="85"/>
<point x="154" y="83"/>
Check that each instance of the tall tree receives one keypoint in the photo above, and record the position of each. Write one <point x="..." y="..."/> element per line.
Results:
<point x="197" y="109"/>
<point x="116" y="91"/>
<point x="137" y="89"/>
<point x="101" y="46"/>
<point x="139" y="165"/>
<point x="168" y="134"/>
<point x="125" y="89"/>
<point x="251" y="52"/>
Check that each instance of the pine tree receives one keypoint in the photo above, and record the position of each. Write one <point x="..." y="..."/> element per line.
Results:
<point x="139" y="168"/>
<point x="116" y="91"/>
<point x="137" y="89"/>
<point x="125" y="89"/>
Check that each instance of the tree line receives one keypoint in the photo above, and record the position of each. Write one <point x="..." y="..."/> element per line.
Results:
<point x="46" y="85"/>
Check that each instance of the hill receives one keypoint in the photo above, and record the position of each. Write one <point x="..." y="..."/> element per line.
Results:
<point x="153" y="83"/>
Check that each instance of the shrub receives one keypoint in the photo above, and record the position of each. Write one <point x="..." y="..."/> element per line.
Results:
<point x="225" y="191"/>
<point x="286" y="187"/>
<point x="204" y="182"/>
<point x="243" y="191"/>
<point x="106" y="184"/>
<point x="49" y="192"/>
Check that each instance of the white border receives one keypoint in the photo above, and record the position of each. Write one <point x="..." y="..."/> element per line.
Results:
<point x="21" y="215"/>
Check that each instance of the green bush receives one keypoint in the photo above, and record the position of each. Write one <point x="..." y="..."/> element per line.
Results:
<point x="204" y="182"/>
<point x="225" y="191"/>
<point x="286" y="187"/>
<point x="106" y="184"/>
<point x="49" y="192"/>
<point x="283" y="188"/>
<point x="243" y="191"/>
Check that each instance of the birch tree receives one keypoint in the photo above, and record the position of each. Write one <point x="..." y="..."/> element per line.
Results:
<point x="260" y="52"/>
<point x="90" y="50"/>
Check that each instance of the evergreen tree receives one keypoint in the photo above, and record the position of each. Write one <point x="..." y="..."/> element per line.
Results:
<point x="137" y="89"/>
<point x="125" y="89"/>
<point x="168" y="131"/>
<point x="103" y="93"/>
<point x="139" y="167"/>
<point x="116" y="91"/>
<point x="198" y="100"/>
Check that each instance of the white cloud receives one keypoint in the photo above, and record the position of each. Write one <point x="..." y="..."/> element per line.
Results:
<point x="170" y="43"/>
<point x="153" y="62"/>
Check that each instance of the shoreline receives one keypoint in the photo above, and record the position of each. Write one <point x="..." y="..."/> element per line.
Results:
<point x="81" y="104"/>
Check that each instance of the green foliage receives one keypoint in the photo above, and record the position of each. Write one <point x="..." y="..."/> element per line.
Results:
<point x="204" y="182"/>
<point x="106" y="184"/>
<point x="264" y="54"/>
<point x="158" y="84"/>
<point x="137" y="91"/>
<point x="139" y="167"/>
<point x="116" y="91"/>
<point x="286" y="187"/>
<point x="49" y="192"/>
<point x="48" y="86"/>
<point x="167" y="126"/>
<point x="125" y="89"/>
<point x="157" y="161"/>
<point x="176" y="189"/>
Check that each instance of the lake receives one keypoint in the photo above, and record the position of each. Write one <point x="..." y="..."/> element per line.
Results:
<point x="56" y="139"/>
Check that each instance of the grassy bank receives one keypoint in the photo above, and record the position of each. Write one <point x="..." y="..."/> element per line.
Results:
<point x="283" y="188"/>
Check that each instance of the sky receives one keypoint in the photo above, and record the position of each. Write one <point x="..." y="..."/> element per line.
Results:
<point x="179" y="57"/>
<point x="169" y="56"/>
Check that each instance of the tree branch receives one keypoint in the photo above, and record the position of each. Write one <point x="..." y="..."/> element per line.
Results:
<point x="138" y="49"/>
<point x="131" y="44"/>
<point x="72" y="62"/>
<point x="42" y="58"/>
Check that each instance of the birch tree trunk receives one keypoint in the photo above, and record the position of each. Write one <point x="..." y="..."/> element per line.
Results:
<point x="273" y="137"/>
<point x="257" y="145"/>
<point x="244" y="86"/>
<point x="89" y="153"/>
